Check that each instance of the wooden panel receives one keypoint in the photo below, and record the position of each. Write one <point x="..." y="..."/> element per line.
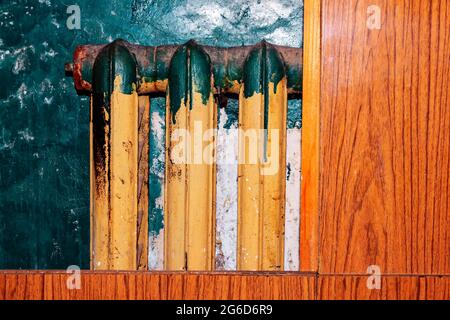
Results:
<point x="160" y="285"/>
<point x="392" y="288"/>
<point x="309" y="223"/>
<point x="385" y="138"/>
<point x="156" y="286"/>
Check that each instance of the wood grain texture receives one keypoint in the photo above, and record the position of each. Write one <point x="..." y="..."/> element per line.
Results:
<point x="309" y="222"/>
<point x="392" y="288"/>
<point x="51" y="285"/>
<point x="156" y="286"/>
<point x="385" y="138"/>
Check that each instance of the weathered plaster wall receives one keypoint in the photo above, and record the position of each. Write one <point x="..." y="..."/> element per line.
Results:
<point x="44" y="134"/>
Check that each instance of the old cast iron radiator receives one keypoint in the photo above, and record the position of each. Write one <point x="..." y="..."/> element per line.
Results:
<point x="120" y="78"/>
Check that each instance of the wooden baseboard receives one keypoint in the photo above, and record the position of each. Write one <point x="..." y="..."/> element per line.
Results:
<point x="140" y="285"/>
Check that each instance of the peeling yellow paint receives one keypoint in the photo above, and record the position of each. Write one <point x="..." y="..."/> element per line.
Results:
<point x="100" y="206"/>
<point x="190" y="191"/>
<point x="261" y="186"/>
<point x="114" y="197"/>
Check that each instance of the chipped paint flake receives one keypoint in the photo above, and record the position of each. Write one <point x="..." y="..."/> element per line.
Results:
<point x="292" y="227"/>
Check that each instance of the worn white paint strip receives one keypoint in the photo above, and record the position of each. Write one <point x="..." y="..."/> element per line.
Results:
<point x="226" y="190"/>
<point x="156" y="241"/>
<point x="156" y="251"/>
<point x="293" y="173"/>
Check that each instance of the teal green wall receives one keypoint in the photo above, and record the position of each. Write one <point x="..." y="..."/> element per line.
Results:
<point x="44" y="131"/>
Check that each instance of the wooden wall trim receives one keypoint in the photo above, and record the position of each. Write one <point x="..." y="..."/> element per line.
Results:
<point x="141" y="285"/>
<point x="157" y="285"/>
<point x="391" y="288"/>
<point x="309" y="210"/>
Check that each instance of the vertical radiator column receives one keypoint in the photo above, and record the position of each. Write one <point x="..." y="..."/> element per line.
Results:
<point x="262" y="161"/>
<point x="114" y="150"/>
<point x="190" y="170"/>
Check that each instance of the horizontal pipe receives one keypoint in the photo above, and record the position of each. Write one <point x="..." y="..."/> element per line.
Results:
<point x="153" y="64"/>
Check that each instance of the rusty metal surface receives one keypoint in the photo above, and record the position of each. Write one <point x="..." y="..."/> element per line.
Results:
<point x="153" y="64"/>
